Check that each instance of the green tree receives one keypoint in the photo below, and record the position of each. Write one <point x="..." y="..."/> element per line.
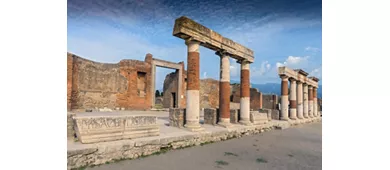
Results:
<point x="157" y="93"/>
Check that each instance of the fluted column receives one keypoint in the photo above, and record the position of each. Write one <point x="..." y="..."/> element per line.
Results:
<point x="224" y="90"/>
<point x="245" y="93"/>
<point x="310" y="101"/>
<point x="315" y="104"/>
<point x="193" y="86"/>
<point x="284" y="99"/>
<point x="293" y="99"/>
<point x="299" y="100"/>
<point x="305" y="101"/>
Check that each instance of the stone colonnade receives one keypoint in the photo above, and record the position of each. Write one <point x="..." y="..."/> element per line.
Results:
<point x="196" y="35"/>
<point x="299" y="103"/>
<point x="193" y="86"/>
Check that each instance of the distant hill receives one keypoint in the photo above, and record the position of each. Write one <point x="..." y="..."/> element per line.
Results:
<point x="274" y="88"/>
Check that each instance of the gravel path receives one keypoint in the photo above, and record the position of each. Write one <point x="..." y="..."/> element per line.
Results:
<point x="294" y="148"/>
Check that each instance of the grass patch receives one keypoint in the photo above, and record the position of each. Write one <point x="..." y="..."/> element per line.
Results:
<point x="261" y="160"/>
<point x="230" y="154"/>
<point x="205" y="143"/>
<point x="158" y="106"/>
<point x="220" y="162"/>
<point x="290" y="155"/>
<point x="254" y="145"/>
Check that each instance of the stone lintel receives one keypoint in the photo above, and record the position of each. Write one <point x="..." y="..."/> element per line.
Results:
<point x="186" y="28"/>
<point x="166" y="64"/>
<point x="314" y="78"/>
<point x="285" y="71"/>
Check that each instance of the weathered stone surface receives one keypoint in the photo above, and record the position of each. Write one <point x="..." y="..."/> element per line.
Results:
<point x="210" y="116"/>
<point x="100" y="128"/>
<point x="130" y="149"/>
<point x="94" y="85"/>
<point x="268" y="112"/>
<point x="70" y="126"/>
<point x="275" y="114"/>
<point x="234" y="116"/>
<point x="177" y="117"/>
<point x="185" y="28"/>
<point x="258" y="118"/>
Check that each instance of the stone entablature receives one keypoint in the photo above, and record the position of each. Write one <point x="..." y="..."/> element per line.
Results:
<point x="185" y="28"/>
<point x="297" y="76"/>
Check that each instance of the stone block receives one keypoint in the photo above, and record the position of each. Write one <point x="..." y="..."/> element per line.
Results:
<point x="70" y="126"/>
<point x="268" y="112"/>
<point x="100" y="128"/>
<point x="234" y="116"/>
<point x="177" y="117"/>
<point x="258" y="118"/>
<point x="275" y="114"/>
<point x="210" y="116"/>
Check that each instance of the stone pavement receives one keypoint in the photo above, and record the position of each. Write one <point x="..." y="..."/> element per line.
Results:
<point x="80" y="155"/>
<point x="294" y="148"/>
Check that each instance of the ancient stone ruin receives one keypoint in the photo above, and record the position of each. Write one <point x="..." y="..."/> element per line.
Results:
<point x="104" y="102"/>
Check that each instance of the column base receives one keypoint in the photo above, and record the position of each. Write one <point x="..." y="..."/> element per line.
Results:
<point x="284" y="119"/>
<point x="225" y="122"/>
<point x="245" y="122"/>
<point x="194" y="128"/>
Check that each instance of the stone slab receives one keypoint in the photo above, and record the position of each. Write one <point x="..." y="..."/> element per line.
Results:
<point x="268" y="112"/>
<point x="177" y="117"/>
<point x="101" y="128"/>
<point x="234" y="116"/>
<point x="210" y="116"/>
<point x="258" y="118"/>
<point x="275" y="114"/>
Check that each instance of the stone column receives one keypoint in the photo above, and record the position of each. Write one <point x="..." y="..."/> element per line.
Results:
<point x="261" y="100"/>
<point x="293" y="99"/>
<point x="284" y="99"/>
<point x="245" y="93"/>
<point x="299" y="100"/>
<point x="310" y="101"/>
<point x="224" y="90"/>
<point x="305" y="101"/>
<point x="193" y="86"/>
<point x="315" y="110"/>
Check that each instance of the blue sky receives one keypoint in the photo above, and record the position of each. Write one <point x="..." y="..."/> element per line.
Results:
<point x="280" y="32"/>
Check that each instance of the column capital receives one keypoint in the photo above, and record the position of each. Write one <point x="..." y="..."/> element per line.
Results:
<point x="222" y="53"/>
<point x="292" y="79"/>
<point x="284" y="77"/>
<point x="243" y="62"/>
<point x="310" y="86"/>
<point x="191" y="41"/>
<point x="299" y="82"/>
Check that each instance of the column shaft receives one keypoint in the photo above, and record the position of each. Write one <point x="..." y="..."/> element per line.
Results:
<point x="224" y="91"/>
<point x="193" y="86"/>
<point x="299" y="100"/>
<point x="305" y="101"/>
<point x="293" y="99"/>
<point x="245" y="94"/>
<point x="284" y="99"/>
<point x="315" y="104"/>
<point x="310" y="101"/>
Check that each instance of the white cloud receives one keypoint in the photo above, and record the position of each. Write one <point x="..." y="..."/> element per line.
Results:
<point x="265" y="67"/>
<point x="317" y="72"/>
<point x="204" y="75"/>
<point x="312" y="49"/>
<point x="294" y="62"/>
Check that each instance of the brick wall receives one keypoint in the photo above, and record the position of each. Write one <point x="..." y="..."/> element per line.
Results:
<point x="97" y="85"/>
<point x="269" y="102"/>
<point x="255" y="96"/>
